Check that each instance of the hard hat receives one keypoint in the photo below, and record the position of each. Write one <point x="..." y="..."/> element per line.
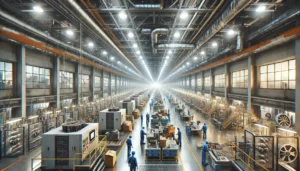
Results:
<point x="143" y="127"/>
<point x="133" y="152"/>
<point x="130" y="136"/>
<point x="206" y="142"/>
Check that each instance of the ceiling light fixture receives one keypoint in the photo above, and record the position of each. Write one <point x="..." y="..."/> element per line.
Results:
<point x="113" y="58"/>
<point x="231" y="32"/>
<point x="184" y="15"/>
<point x="119" y="62"/>
<point x="104" y="52"/>
<point x="135" y="45"/>
<point x="167" y="57"/>
<point x="138" y="52"/>
<point x="141" y="57"/>
<point x="169" y="52"/>
<point x="91" y="44"/>
<point x="188" y="63"/>
<point x="214" y="44"/>
<point x="38" y="9"/>
<point x="177" y="34"/>
<point x="122" y="15"/>
<point x="130" y="35"/>
<point x="70" y="32"/>
<point x="202" y="53"/>
<point x="260" y="9"/>
<point x="195" y="58"/>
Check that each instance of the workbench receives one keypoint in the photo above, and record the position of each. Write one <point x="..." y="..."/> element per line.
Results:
<point x="152" y="152"/>
<point x="170" y="152"/>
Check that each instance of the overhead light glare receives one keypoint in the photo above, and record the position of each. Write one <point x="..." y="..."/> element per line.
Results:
<point x="38" y="9"/>
<point x="113" y="58"/>
<point x="123" y="15"/>
<point x="183" y="15"/>
<point x="167" y="57"/>
<point x="135" y="45"/>
<point x="141" y="57"/>
<point x="214" y="44"/>
<point x="130" y="35"/>
<point x="70" y="32"/>
<point x="195" y="58"/>
<point x="104" y="52"/>
<point x="260" y="8"/>
<point x="169" y="52"/>
<point x="202" y="53"/>
<point x="138" y="52"/>
<point x="288" y="130"/>
<point x="13" y="121"/>
<point x="260" y="125"/>
<point x="177" y="34"/>
<point x="231" y="32"/>
<point x="91" y="44"/>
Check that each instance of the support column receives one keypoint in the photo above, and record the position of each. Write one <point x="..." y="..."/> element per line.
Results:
<point x="297" y="90"/>
<point x="227" y="82"/>
<point x="202" y="80"/>
<point x="250" y="83"/>
<point x="109" y="84"/>
<point x="196" y="84"/>
<point x="21" y="81"/>
<point x="102" y="84"/>
<point x="92" y="84"/>
<point x="211" y="82"/>
<point x="55" y="84"/>
<point x="76" y="83"/>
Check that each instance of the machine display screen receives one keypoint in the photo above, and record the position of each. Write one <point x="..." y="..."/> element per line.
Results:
<point x="92" y="135"/>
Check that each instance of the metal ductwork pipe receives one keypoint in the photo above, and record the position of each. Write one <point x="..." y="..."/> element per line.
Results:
<point x="146" y="31"/>
<point x="223" y="52"/>
<point x="153" y="6"/>
<point x="86" y="18"/>
<point x="285" y="17"/>
<point x="154" y="36"/>
<point x="174" y="46"/>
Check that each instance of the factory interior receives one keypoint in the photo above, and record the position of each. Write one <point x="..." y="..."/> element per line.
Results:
<point x="149" y="85"/>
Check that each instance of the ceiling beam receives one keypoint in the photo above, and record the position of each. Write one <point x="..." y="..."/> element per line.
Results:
<point x="104" y="10"/>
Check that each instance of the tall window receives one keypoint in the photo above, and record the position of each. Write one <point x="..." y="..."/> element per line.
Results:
<point x="220" y="80"/>
<point x="97" y="82"/>
<point x="240" y="79"/>
<point x="37" y="77"/>
<point x="6" y="78"/>
<point x="66" y="79"/>
<point x="193" y="82"/>
<point x="199" y="82"/>
<point x="85" y="81"/>
<point x="278" y="76"/>
<point x="113" y="84"/>
<point x="105" y="83"/>
<point x="187" y="82"/>
<point x="207" y="81"/>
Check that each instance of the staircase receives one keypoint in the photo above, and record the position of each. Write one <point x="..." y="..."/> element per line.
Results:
<point x="98" y="165"/>
<point x="229" y="120"/>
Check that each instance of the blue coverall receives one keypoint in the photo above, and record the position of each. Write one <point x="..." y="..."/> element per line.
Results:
<point x="189" y="113"/>
<point x="179" y="138"/>
<point x="132" y="163"/>
<point x="142" y="136"/>
<point x="147" y="117"/>
<point x="129" y="145"/>
<point x="205" y="149"/>
<point x="142" y="117"/>
<point x="204" y="128"/>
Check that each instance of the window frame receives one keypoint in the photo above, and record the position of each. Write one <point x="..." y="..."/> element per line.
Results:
<point x="36" y="72"/>
<point x="5" y="71"/>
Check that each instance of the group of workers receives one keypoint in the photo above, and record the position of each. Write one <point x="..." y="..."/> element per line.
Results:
<point x="132" y="161"/>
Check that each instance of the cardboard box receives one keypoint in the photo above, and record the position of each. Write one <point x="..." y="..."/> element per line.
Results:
<point x="159" y="116"/>
<point x="136" y="113"/>
<point x="130" y="118"/>
<point x="127" y="126"/>
<point x="162" y="142"/>
<point x="164" y="112"/>
<point x="110" y="158"/>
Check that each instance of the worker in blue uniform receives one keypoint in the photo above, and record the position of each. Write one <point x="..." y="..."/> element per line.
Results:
<point x="179" y="137"/>
<point x="169" y="114"/>
<point x="143" y="135"/>
<point x="132" y="162"/>
<point x="189" y="112"/>
<point x="205" y="149"/>
<point x="183" y="107"/>
<point x="142" y="117"/>
<point x="129" y="144"/>
<point x="147" y="118"/>
<point x="204" y="129"/>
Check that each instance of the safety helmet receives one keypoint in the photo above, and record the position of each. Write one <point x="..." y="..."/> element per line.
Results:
<point x="143" y="127"/>
<point x="206" y="142"/>
<point x="133" y="152"/>
<point x="130" y="136"/>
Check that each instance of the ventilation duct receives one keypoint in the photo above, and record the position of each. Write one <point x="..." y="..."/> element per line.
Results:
<point x="174" y="46"/>
<point x="279" y="21"/>
<point x="146" y="31"/>
<point x="153" y="6"/>
<point x="154" y="36"/>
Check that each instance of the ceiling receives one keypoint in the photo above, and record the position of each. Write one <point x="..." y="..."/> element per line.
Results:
<point x="169" y="37"/>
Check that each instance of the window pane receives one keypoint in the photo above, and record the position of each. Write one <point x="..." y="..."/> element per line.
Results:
<point x="271" y="68"/>
<point x="292" y="84"/>
<point x="270" y="76"/>
<point x="28" y="84"/>
<point x="8" y="84"/>
<point x="278" y="84"/>
<point x="263" y="69"/>
<point x="277" y="75"/>
<point x="292" y="64"/>
<point x="2" y="76"/>
<point x="242" y="73"/>
<point x="278" y="67"/>
<point x="35" y="77"/>
<point x="271" y="84"/>
<point x="2" y="66"/>
<point x="35" y="70"/>
<point x="8" y="75"/>
<point x="8" y="66"/>
<point x="284" y="75"/>
<point x="292" y="75"/>
<point x="29" y="69"/>
<point x="263" y="77"/>
<point x="284" y="66"/>
<point x="42" y="71"/>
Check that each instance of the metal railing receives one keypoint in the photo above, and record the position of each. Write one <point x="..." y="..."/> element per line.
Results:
<point x="247" y="161"/>
<point x="36" y="161"/>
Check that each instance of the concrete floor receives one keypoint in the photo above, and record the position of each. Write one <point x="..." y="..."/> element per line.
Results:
<point x="190" y="155"/>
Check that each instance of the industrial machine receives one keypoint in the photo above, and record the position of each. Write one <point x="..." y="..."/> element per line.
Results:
<point x="63" y="142"/>
<point x="111" y="119"/>
<point x="129" y="105"/>
<point x="137" y="100"/>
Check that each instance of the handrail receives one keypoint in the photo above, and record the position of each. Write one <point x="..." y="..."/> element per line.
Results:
<point x="99" y="148"/>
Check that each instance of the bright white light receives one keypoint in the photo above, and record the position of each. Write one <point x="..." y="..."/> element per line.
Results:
<point x="195" y="58"/>
<point x="167" y="57"/>
<point x="91" y="44"/>
<point x="260" y="8"/>
<point x="130" y="35"/>
<point x="184" y="15"/>
<point x="177" y="34"/>
<point x="143" y="61"/>
<point x="113" y="58"/>
<point x="231" y="32"/>
<point x="135" y="45"/>
<point x="119" y="62"/>
<point x="122" y="15"/>
<point x="169" y="52"/>
<point x="104" y="52"/>
<point x="138" y="52"/>
<point x="202" y="53"/>
<point x="214" y="44"/>
<point x="126" y="67"/>
<point x="38" y="9"/>
<point x="141" y="57"/>
<point x="70" y="32"/>
<point x="155" y="85"/>
<point x="183" y="66"/>
<point x="188" y="63"/>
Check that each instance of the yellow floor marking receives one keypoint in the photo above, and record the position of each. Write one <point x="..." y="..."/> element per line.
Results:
<point x="17" y="161"/>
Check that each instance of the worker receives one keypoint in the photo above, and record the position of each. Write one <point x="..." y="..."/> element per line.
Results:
<point x="169" y="114"/>
<point x="129" y="144"/>
<point x="205" y="149"/>
<point x="204" y="129"/>
<point x="142" y="135"/>
<point x="183" y="107"/>
<point x="132" y="162"/>
<point x="179" y="137"/>
<point x="142" y="117"/>
<point x="189" y="112"/>
<point x="147" y="118"/>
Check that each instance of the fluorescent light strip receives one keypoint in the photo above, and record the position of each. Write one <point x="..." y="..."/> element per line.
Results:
<point x="260" y="125"/>
<point x="13" y="121"/>
<point x="32" y="117"/>
<point x="287" y="130"/>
